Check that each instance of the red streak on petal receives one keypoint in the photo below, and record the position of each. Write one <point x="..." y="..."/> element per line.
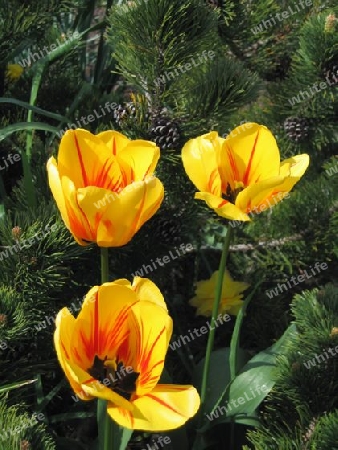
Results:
<point x="114" y="146"/>
<point x="96" y="324"/>
<point x="113" y="332"/>
<point x="127" y="414"/>
<point x="246" y="176"/>
<point x="223" y="202"/>
<point x="102" y="176"/>
<point x="92" y="234"/>
<point x="65" y="351"/>
<point x="87" y="347"/>
<point x="89" y="381"/>
<point x="145" y="362"/>
<point x="90" y="346"/>
<point x="161" y="402"/>
<point x="147" y="377"/>
<point x="139" y="212"/>
<point x="234" y="168"/>
<point x="77" y="355"/>
<point x="84" y="175"/>
<point x="211" y="182"/>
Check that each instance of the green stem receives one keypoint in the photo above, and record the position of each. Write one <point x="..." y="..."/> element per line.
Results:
<point x="26" y="157"/>
<point x="105" y="423"/>
<point x="104" y="265"/>
<point x="218" y="295"/>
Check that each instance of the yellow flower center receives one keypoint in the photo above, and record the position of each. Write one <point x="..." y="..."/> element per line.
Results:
<point x="121" y="380"/>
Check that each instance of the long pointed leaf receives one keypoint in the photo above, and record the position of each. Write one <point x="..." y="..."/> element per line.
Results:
<point x="9" y="387"/>
<point x="36" y="109"/>
<point x="247" y="388"/>
<point x="21" y="126"/>
<point x="44" y="402"/>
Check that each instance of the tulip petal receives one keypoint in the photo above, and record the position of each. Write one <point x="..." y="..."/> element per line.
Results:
<point x="114" y="141"/>
<point x="293" y="169"/>
<point x="87" y="161"/>
<point x="249" y="155"/>
<point x="147" y="344"/>
<point x="138" y="160"/>
<point x="101" y="325"/>
<point x="167" y="407"/>
<point x="254" y="196"/>
<point x="63" y="343"/>
<point x="80" y="380"/>
<point x="98" y="390"/>
<point x="91" y="388"/>
<point x="146" y="290"/>
<point x="56" y="188"/>
<point x="133" y="206"/>
<point x="222" y="207"/>
<point x="79" y="224"/>
<point x="200" y="160"/>
<point x="100" y="199"/>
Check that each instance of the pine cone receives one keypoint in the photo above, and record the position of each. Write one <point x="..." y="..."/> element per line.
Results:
<point x="168" y="229"/>
<point x="124" y="112"/>
<point x="165" y="132"/>
<point x="281" y="69"/>
<point x="330" y="72"/>
<point x="214" y="3"/>
<point x="297" y="128"/>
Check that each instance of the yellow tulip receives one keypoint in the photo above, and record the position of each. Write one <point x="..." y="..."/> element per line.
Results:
<point x="14" y="71"/>
<point x="115" y="350"/>
<point x="104" y="185"/>
<point x="231" y="300"/>
<point x="242" y="173"/>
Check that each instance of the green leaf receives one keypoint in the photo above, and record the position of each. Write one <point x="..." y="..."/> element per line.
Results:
<point x="43" y="402"/>
<point x="36" y="109"/>
<point x="118" y="437"/>
<point x="252" y="385"/>
<point x="20" y="126"/>
<point x="9" y="387"/>
<point x="39" y="390"/>
<point x="250" y="421"/>
<point x="219" y="375"/>
<point x="235" y="338"/>
<point x="3" y="195"/>
<point x="2" y="211"/>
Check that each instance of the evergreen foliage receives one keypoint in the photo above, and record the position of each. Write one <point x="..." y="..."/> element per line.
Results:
<point x="22" y="431"/>
<point x="300" y="411"/>
<point x="200" y="65"/>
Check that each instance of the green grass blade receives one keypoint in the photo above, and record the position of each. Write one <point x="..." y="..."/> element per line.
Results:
<point x="9" y="387"/>
<point x="36" y="109"/>
<point x="22" y="126"/>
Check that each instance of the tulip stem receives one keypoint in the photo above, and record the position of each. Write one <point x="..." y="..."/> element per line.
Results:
<point x="104" y="265"/>
<point x="218" y="296"/>
<point x="104" y="421"/>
